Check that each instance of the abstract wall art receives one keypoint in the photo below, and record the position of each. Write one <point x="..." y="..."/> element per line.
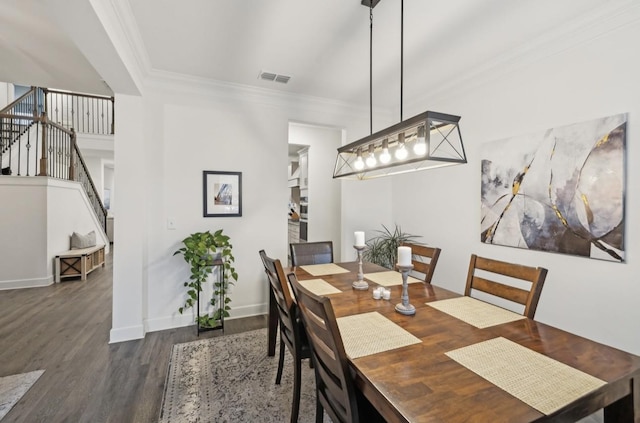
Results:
<point x="561" y="190"/>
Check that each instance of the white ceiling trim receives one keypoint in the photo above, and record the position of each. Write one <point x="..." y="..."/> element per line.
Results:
<point x="117" y="19"/>
<point x="604" y="19"/>
<point x="179" y="83"/>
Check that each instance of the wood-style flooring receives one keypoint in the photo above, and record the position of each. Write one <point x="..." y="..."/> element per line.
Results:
<point x="64" y="330"/>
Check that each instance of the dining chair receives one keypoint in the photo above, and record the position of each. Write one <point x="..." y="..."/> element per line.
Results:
<point x="303" y="253"/>
<point x="336" y="393"/>
<point x="506" y="286"/>
<point x="292" y="333"/>
<point x="424" y="259"/>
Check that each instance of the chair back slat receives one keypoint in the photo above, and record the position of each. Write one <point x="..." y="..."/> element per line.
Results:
<point x="424" y="259"/>
<point x="305" y="253"/>
<point x="507" y="269"/>
<point x="508" y="292"/>
<point x="501" y="271"/>
<point x="334" y="384"/>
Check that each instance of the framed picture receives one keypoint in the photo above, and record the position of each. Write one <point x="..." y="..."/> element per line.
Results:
<point x="222" y="193"/>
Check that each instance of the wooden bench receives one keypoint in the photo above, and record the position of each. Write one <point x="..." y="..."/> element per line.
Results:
<point x="79" y="262"/>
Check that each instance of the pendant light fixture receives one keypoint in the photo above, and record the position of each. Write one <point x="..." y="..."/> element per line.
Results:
<point x="425" y="141"/>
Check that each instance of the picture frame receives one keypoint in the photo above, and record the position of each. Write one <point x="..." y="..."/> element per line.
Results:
<point x="222" y="193"/>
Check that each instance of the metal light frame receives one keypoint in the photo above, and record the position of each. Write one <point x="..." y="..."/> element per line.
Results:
<point x="443" y="148"/>
<point x="363" y="159"/>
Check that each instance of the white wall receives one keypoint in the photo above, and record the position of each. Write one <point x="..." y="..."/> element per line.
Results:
<point x="23" y="225"/>
<point x="324" y="191"/>
<point x="189" y="127"/>
<point x="594" y="78"/>
<point x="37" y="218"/>
<point x="6" y="94"/>
<point x="129" y="274"/>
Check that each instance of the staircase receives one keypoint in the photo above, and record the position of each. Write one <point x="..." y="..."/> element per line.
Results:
<point x="37" y="137"/>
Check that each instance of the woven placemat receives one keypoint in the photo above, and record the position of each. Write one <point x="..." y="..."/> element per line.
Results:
<point x="475" y="312"/>
<point x="371" y="333"/>
<point x="319" y="287"/>
<point x="323" y="269"/>
<point x="389" y="278"/>
<point x="539" y="381"/>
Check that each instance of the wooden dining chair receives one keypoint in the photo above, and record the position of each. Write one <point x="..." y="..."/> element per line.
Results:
<point x="424" y="259"/>
<point x="292" y="333"/>
<point x="303" y="253"/>
<point x="336" y="393"/>
<point x="506" y="286"/>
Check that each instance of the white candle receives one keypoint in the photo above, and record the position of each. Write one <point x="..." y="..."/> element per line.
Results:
<point x="404" y="256"/>
<point x="359" y="239"/>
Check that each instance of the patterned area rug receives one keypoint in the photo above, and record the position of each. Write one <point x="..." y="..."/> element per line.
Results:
<point x="13" y="387"/>
<point x="231" y="379"/>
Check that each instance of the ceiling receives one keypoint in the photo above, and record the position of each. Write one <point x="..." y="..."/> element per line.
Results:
<point x="322" y="45"/>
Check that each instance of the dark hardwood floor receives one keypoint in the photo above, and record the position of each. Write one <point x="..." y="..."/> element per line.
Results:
<point x="64" y="330"/>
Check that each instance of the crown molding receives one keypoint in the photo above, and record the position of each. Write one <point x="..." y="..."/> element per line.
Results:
<point x="230" y="91"/>
<point x="606" y="18"/>
<point x="117" y="19"/>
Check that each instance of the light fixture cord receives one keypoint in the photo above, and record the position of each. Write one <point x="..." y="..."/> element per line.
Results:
<point x="371" y="67"/>
<point x="401" y="54"/>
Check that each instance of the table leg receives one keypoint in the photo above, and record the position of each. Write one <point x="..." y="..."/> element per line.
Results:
<point x="626" y="409"/>
<point x="272" y="328"/>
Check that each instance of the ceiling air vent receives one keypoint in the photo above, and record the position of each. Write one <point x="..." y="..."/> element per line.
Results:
<point x="270" y="76"/>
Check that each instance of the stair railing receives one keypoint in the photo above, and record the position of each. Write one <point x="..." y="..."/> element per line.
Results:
<point x="86" y="113"/>
<point x="33" y="145"/>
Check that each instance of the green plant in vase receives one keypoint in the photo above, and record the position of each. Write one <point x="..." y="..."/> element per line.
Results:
<point x="200" y="251"/>
<point x="383" y="248"/>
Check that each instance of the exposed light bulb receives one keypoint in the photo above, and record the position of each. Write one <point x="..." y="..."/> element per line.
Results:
<point x="420" y="147"/>
<point x="359" y="163"/>
<point x="371" y="158"/>
<point x="385" y="157"/>
<point x="401" y="151"/>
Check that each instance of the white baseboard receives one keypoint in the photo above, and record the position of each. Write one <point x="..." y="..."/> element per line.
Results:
<point x="126" y="334"/>
<point x="26" y="283"/>
<point x="187" y="319"/>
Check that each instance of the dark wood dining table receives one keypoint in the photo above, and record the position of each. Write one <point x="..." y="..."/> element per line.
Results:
<point x="419" y="383"/>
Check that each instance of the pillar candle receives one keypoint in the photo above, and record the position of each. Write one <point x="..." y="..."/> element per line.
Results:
<point x="404" y="256"/>
<point x="359" y="239"/>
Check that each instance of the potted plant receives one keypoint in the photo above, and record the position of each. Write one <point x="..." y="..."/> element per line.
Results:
<point x="200" y="251"/>
<point x="383" y="249"/>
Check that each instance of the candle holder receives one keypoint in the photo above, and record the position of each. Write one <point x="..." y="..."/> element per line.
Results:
<point x="360" y="284"/>
<point x="404" y="307"/>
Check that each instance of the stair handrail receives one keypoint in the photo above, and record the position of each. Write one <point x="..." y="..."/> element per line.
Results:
<point x="52" y="136"/>
<point x="21" y="99"/>
<point x="89" y="186"/>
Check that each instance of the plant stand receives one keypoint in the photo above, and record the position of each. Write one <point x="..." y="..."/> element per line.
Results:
<point x="220" y="265"/>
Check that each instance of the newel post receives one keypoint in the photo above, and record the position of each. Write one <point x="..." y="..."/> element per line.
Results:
<point x="113" y="115"/>
<point x="43" y="157"/>
<point x="72" y="168"/>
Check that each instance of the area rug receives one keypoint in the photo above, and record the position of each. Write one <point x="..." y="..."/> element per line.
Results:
<point x="231" y="379"/>
<point x="13" y="387"/>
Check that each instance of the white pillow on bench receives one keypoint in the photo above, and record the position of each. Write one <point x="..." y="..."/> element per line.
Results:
<point x="79" y="241"/>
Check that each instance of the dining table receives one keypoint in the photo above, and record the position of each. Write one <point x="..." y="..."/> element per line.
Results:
<point x="448" y="367"/>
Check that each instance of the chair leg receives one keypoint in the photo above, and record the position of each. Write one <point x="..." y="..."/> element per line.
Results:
<point x="319" y="410"/>
<point x="280" y="362"/>
<point x="295" y="405"/>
